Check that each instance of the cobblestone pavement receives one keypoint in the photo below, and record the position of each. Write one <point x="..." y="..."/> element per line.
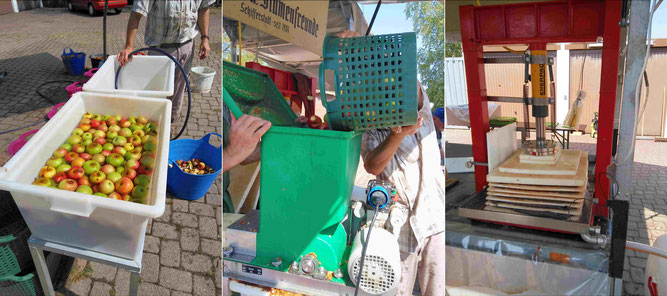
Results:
<point x="648" y="206"/>
<point x="182" y="248"/>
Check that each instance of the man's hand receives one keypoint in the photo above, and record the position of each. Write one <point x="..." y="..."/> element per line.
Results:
<point x="408" y="130"/>
<point x="204" y="49"/>
<point x="244" y="135"/>
<point x="124" y="56"/>
<point x="348" y="34"/>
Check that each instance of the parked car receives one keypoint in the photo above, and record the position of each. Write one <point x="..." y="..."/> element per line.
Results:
<point x="95" y="6"/>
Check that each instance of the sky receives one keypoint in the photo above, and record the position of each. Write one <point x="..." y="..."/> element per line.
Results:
<point x="390" y="18"/>
<point x="659" y="26"/>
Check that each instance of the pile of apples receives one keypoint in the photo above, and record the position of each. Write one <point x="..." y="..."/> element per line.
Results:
<point x="108" y="156"/>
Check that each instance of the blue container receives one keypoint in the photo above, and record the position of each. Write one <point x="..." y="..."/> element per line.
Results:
<point x="189" y="186"/>
<point x="74" y="62"/>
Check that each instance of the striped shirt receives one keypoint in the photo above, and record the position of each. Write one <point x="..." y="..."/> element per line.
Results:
<point x="417" y="156"/>
<point x="172" y="21"/>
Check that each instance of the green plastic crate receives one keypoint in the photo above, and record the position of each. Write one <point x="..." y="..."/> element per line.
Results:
<point x="21" y="285"/>
<point x="375" y="80"/>
<point x="252" y="92"/>
<point x="14" y="253"/>
<point x="307" y="176"/>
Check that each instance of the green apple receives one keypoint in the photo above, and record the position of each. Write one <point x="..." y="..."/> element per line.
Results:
<point x="87" y="135"/>
<point x="118" y="118"/>
<point x="86" y="142"/>
<point x="120" y="170"/>
<point x="84" y="189"/>
<point x="77" y="132"/>
<point x="54" y="162"/>
<point x="99" y="158"/>
<point x="94" y="148"/>
<point x="125" y="132"/>
<point x="148" y="161"/>
<point x="42" y="182"/>
<point x="132" y="120"/>
<point x="100" y="194"/>
<point x="106" y="186"/>
<point x="119" y="141"/>
<point x="128" y="147"/>
<point x="111" y="135"/>
<point x="66" y="146"/>
<point x="63" y="168"/>
<point x="133" y="155"/>
<point x="150" y="146"/>
<point x="115" y="159"/>
<point x="142" y="180"/>
<point x="74" y="139"/>
<point x="107" y="146"/>
<point x="114" y="176"/>
<point x="142" y="119"/>
<point x="91" y="166"/>
<point x="139" y="194"/>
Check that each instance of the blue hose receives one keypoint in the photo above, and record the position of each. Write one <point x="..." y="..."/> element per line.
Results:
<point x="185" y="75"/>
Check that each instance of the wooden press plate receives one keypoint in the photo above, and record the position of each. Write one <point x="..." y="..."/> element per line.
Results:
<point x="510" y="211"/>
<point x="571" y="211"/>
<point x="547" y="159"/>
<point x="551" y="180"/>
<point x="572" y="204"/>
<point x="539" y="188"/>
<point x="567" y="164"/>
<point x="514" y="195"/>
<point x="546" y="194"/>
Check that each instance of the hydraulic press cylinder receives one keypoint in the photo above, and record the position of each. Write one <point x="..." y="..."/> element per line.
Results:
<point x="538" y="71"/>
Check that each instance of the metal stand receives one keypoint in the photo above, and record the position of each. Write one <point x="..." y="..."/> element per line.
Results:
<point x="38" y="246"/>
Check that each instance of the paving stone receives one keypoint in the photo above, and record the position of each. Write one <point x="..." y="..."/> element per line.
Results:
<point x="102" y="272"/>
<point x="166" y="216"/>
<point x="218" y="273"/>
<point x="211" y="247"/>
<point x="152" y="244"/>
<point x="637" y="262"/>
<point x="80" y="287"/>
<point x="208" y="228"/>
<point x="179" y="293"/>
<point x="637" y="274"/>
<point x="214" y="199"/>
<point x="101" y="289"/>
<point x="150" y="268"/>
<point x="170" y="254"/>
<point x="202" y="209"/>
<point x="190" y="239"/>
<point x="185" y="219"/>
<point x="180" y="205"/>
<point x="165" y="230"/>
<point x="218" y="216"/>
<point x="196" y="262"/>
<point x="122" y="282"/>
<point x="174" y="279"/>
<point x="203" y="286"/>
<point x="633" y="289"/>
<point x="148" y="289"/>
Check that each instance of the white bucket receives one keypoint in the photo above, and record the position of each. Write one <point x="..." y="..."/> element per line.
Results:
<point x="201" y="79"/>
<point x="144" y="76"/>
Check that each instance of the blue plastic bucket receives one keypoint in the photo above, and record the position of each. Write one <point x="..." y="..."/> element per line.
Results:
<point x="189" y="186"/>
<point x="74" y="61"/>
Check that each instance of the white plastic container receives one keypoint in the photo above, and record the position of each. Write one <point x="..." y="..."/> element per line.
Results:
<point x="101" y="224"/>
<point x="144" y="76"/>
<point x="201" y="79"/>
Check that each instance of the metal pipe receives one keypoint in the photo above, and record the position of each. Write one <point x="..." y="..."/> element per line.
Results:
<point x="552" y="88"/>
<point x="635" y="246"/>
<point x="600" y="240"/>
<point x="540" y="132"/>
<point x="526" y="117"/>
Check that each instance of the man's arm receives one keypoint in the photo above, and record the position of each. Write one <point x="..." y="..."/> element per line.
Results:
<point x="203" y="22"/>
<point x="132" y="27"/>
<point x="244" y="135"/>
<point x="378" y="158"/>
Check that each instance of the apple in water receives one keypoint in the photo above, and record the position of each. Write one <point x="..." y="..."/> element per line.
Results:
<point x="139" y="194"/>
<point x="111" y="135"/>
<point x="85" y="126"/>
<point x="106" y="153"/>
<point x="91" y="166"/>
<point x="94" y="148"/>
<point x="139" y="133"/>
<point x="119" y="141"/>
<point x="71" y="156"/>
<point x="99" y="158"/>
<point x="100" y="194"/>
<point x="103" y="128"/>
<point x="142" y="119"/>
<point x="114" y="128"/>
<point x="142" y="180"/>
<point x="118" y="118"/>
<point x="60" y="152"/>
<point x="107" y="146"/>
<point x="127" y="197"/>
<point x="132" y="164"/>
<point x="84" y="189"/>
<point x="99" y="134"/>
<point x="120" y="169"/>
<point x="84" y="181"/>
<point x="125" y="132"/>
<point x="77" y="132"/>
<point x="59" y="177"/>
<point x="135" y="140"/>
<point x="148" y="161"/>
<point x="115" y="159"/>
<point x="68" y="184"/>
<point x="63" y="168"/>
<point x="119" y="150"/>
<point x="100" y="141"/>
<point x="86" y="142"/>
<point x="115" y="195"/>
<point x="54" y="161"/>
<point x="129" y="173"/>
<point x="138" y="149"/>
<point x="78" y="162"/>
<point x="114" y="176"/>
<point x="135" y="127"/>
<point x="94" y="123"/>
<point x="132" y="120"/>
<point x="47" y="172"/>
<point x="150" y="146"/>
<point x="85" y="156"/>
<point x="88" y="115"/>
<point x="75" y="173"/>
<point x="87" y="135"/>
<point x="132" y="155"/>
<point x="128" y="147"/>
<point x="42" y="182"/>
<point x="66" y="146"/>
<point x="124" y="185"/>
<point x="106" y="186"/>
<point x="97" y="177"/>
<point x="144" y="170"/>
<point x="111" y="121"/>
<point x="125" y="123"/>
<point x="148" y="153"/>
<point x="107" y="169"/>
<point x="74" y="139"/>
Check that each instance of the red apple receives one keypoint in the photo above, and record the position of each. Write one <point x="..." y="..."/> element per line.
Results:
<point x="124" y="185"/>
<point x="84" y="126"/>
<point x="47" y="172"/>
<point x="143" y="170"/>
<point x="119" y="150"/>
<point x="111" y="121"/>
<point x="58" y="177"/>
<point x="94" y="123"/>
<point x="96" y="189"/>
<point x="78" y="162"/>
<point x="129" y="173"/>
<point x="78" y="148"/>
<point x="107" y="169"/>
<point x="68" y="184"/>
<point x="84" y="181"/>
<point x="127" y="197"/>
<point x="106" y="153"/>
<point x="99" y="158"/>
<point x="125" y="123"/>
<point x="315" y="122"/>
<point x="132" y="164"/>
<point x="61" y="152"/>
<point x="71" y="156"/>
<point x="103" y="128"/>
<point x="75" y="172"/>
<point x="85" y="156"/>
<point x="115" y="195"/>
<point x="100" y="140"/>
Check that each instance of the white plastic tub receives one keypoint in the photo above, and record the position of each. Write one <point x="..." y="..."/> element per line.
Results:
<point x="101" y="224"/>
<point x="201" y="79"/>
<point x="144" y="76"/>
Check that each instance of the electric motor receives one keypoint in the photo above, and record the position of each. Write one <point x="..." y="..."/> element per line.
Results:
<point x="382" y="264"/>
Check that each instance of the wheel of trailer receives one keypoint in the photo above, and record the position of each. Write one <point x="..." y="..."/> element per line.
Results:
<point x="119" y="10"/>
<point x="70" y="7"/>
<point x="91" y="10"/>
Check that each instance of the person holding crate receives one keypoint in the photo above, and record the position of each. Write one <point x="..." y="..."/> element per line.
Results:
<point x="406" y="157"/>
<point x="172" y="27"/>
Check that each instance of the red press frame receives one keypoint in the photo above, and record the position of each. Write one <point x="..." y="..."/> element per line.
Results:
<point x="537" y="24"/>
